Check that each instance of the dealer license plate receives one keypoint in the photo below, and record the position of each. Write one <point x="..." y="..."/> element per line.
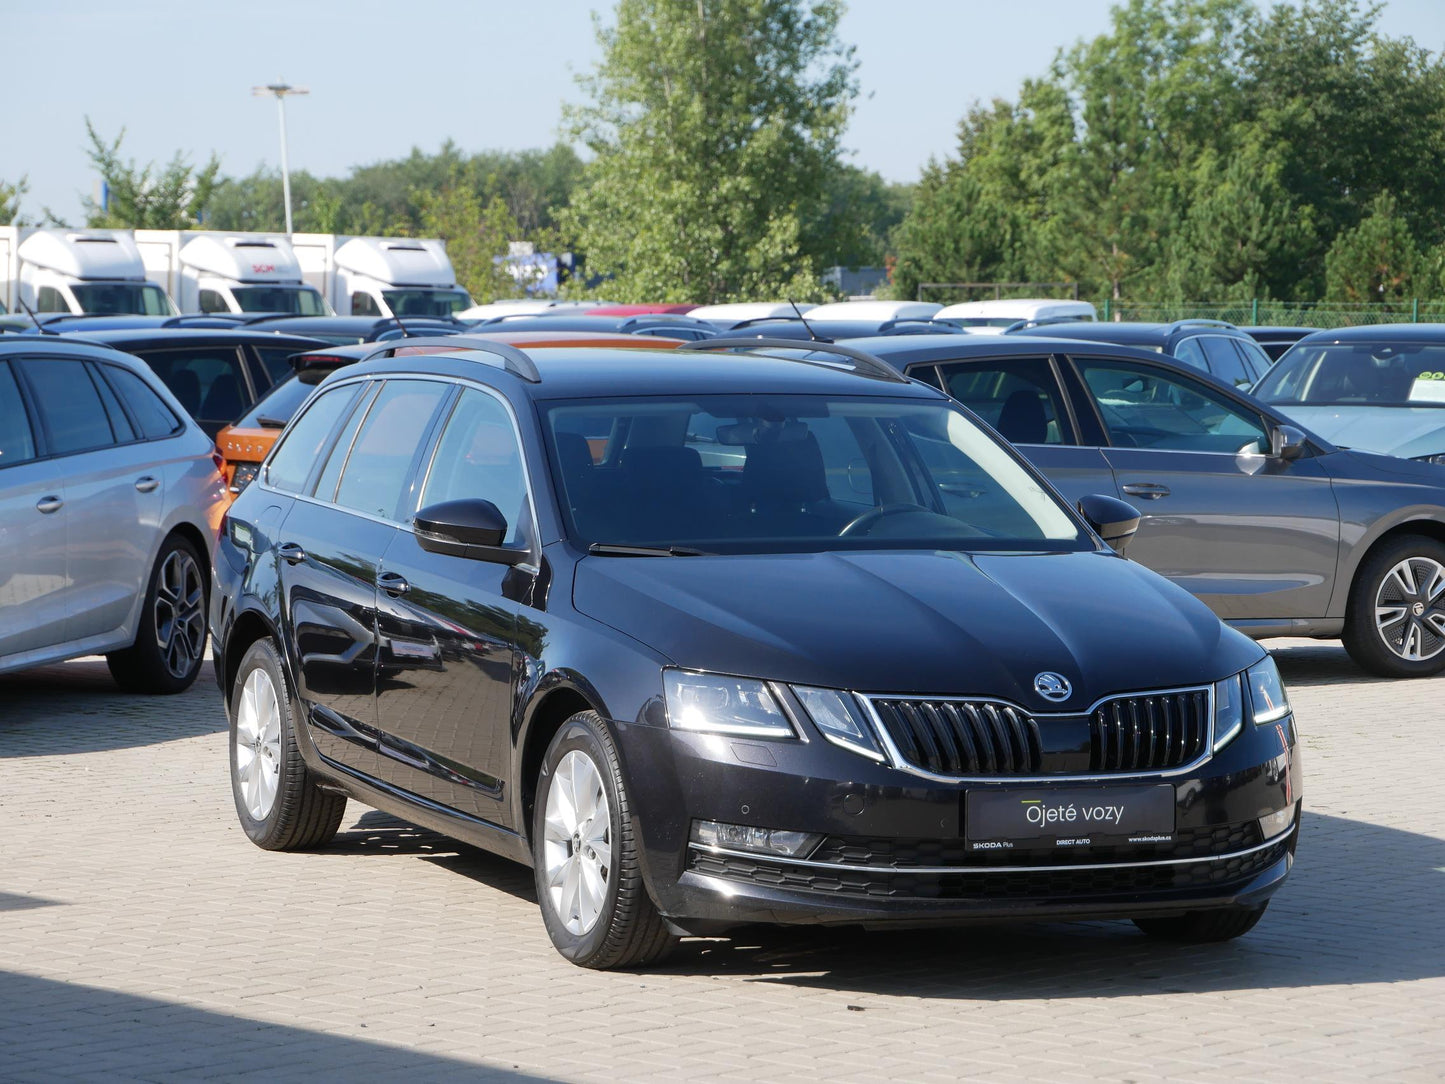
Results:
<point x="1061" y="817"/>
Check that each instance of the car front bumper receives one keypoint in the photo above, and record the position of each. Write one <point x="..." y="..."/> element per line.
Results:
<point x="894" y="850"/>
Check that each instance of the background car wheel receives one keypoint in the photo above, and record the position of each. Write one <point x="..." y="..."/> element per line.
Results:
<point x="594" y="903"/>
<point x="170" y="641"/>
<point x="1202" y="927"/>
<point x="1395" y="624"/>
<point x="280" y="806"/>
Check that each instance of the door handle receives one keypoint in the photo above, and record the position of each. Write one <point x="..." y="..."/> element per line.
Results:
<point x="46" y="505"/>
<point x="291" y="553"/>
<point x="146" y="484"/>
<point x="1150" y="491"/>
<point x="393" y="584"/>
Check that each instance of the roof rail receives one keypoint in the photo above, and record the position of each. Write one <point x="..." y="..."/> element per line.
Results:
<point x="1200" y="321"/>
<point x="513" y="360"/>
<point x="864" y="363"/>
<point x="221" y="319"/>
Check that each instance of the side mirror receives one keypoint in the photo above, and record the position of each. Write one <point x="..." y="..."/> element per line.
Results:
<point x="1286" y="442"/>
<point x="466" y="528"/>
<point x="1112" y="520"/>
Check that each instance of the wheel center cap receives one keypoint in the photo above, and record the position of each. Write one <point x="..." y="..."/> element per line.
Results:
<point x="1417" y="609"/>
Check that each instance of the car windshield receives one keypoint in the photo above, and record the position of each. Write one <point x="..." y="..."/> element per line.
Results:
<point x="128" y="298"/>
<point x="280" y="404"/>
<point x="426" y="302"/>
<point x="301" y="300"/>
<point x="1364" y="374"/>
<point x="795" y="473"/>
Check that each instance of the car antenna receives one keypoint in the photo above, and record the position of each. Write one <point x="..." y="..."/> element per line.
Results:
<point x="811" y="333"/>
<point x="34" y="319"/>
<point x="405" y="334"/>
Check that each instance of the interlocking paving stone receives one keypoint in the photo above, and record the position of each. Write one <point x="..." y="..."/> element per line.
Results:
<point x="143" y="937"/>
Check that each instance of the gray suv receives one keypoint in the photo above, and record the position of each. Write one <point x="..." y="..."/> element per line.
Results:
<point x="1278" y="531"/>
<point x="110" y="496"/>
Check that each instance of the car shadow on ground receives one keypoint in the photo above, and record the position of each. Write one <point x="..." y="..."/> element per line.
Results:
<point x="99" y="714"/>
<point x="52" y="1030"/>
<point x="1360" y="907"/>
<point x="1321" y="662"/>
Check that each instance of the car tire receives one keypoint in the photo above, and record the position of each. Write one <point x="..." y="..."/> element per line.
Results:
<point x="1204" y="927"/>
<point x="170" y="639"/>
<point x="279" y="803"/>
<point x="589" y="883"/>
<point x="1400" y="571"/>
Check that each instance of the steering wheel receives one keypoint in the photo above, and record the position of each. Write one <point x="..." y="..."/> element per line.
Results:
<point x="861" y="524"/>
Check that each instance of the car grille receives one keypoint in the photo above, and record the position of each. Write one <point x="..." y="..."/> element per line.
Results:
<point x="903" y="853"/>
<point x="961" y="737"/>
<point x="1024" y="883"/>
<point x="1149" y="732"/>
<point x="1138" y="732"/>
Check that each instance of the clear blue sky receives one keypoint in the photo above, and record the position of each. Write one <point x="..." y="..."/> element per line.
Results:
<point x="385" y="77"/>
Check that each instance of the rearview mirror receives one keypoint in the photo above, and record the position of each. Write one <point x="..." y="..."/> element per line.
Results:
<point x="1286" y="442"/>
<point x="467" y="528"/>
<point x="1112" y="520"/>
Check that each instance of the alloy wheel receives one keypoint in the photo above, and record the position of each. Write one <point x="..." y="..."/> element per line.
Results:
<point x="1410" y="609"/>
<point x="577" y="843"/>
<point x="179" y="613"/>
<point x="258" y="744"/>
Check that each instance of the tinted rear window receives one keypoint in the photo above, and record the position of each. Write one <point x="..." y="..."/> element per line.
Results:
<point x="17" y="442"/>
<point x="75" y="419"/>
<point x="149" y="409"/>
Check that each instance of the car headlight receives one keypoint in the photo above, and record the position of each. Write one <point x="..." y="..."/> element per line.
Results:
<point x="837" y="717"/>
<point x="1228" y="711"/>
<point x="713" y="704"/>
<point x="1436" y="457"/>
<point x="1267" y="698"/>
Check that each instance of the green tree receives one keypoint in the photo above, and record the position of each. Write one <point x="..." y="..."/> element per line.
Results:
<point x="173" y="196"/>
<point x="716" y="126"/>
<point x="475" y="234"/>
<point x="1378" y="260"/>
<point x="10" y="199"/>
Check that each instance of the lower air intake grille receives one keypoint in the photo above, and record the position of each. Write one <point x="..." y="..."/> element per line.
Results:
<point x="962" y="737"/>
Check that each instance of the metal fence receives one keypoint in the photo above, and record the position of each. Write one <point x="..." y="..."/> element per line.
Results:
<point x="1285" y="313"/>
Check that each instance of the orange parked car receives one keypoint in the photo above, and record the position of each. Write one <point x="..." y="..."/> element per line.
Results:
<point x="245" y="443"/>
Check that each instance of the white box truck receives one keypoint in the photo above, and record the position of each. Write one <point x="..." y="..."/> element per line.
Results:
<point x="216" y="272"/>
<point x="381" y="276"/>
<point x="77" y="271"/>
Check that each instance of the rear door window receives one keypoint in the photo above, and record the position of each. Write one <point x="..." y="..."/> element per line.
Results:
<point x="147" y="408"/>
<point x="379" y="465"/>
<point x="1225" y="361"/>
<point x="1017" y="396"/>
<point x="17" y="441"/>
<point x="307" y="440"/>
<point x="70" y="407"/>
<point x="275" y="361"/>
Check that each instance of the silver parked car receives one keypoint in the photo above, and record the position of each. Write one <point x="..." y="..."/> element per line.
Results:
<point x="110" y="497"/>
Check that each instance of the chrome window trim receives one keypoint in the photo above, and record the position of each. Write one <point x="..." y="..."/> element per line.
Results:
<point x="897" y="760"/>
<point x="1196" y="860"/>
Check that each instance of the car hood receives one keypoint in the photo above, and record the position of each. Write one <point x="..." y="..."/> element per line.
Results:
<point x="918" y="622"/>
<point x="1402" y="431"/>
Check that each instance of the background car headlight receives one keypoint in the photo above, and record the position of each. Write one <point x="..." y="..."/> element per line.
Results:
<point x="1228" y="711"/>
<point x="714" y="704"/>
<point x="837" y="716"/>
<point x="1267" y="699"/>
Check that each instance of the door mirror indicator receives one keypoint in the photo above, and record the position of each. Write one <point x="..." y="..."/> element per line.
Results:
<point x="1286" y="442"/>
<point x="467" y="528"/>
<point x="1112" y="520"/>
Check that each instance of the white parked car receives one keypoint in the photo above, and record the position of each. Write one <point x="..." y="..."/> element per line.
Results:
<point x="736" y="312"/>
<point x="881" y="311"/>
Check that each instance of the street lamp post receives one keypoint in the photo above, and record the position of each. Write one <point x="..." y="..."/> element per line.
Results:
<point x="281" y="89"/>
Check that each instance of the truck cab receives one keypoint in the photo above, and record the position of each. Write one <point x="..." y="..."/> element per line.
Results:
<point x="79" y="272"/>
<point x="227" y="273"/>
<point x="381" y="276"/>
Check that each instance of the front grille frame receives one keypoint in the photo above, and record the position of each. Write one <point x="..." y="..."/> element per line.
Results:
<point x="896" y="758"/>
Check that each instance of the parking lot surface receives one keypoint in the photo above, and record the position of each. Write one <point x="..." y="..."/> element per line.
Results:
<point x="142" y="936"/>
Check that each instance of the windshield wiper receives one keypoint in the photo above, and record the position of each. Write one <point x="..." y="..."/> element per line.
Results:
<point x="266" y="422"/>
<point x="607" y="549"/>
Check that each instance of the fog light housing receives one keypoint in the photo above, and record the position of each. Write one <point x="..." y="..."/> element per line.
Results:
<point x="1275" y="824"/>
<point x="744" y="837"/>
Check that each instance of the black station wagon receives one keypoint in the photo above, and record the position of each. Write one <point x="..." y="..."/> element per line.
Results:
<point x="718" y="640"/>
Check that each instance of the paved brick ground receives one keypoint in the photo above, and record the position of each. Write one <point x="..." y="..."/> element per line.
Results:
<point x="142" y="936"/>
